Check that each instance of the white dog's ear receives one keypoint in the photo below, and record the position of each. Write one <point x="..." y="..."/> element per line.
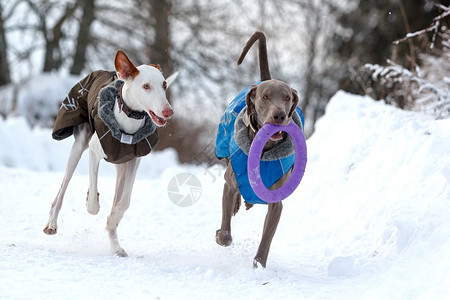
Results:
<point x="171" y="79"/>
<point x="124" y="67"/>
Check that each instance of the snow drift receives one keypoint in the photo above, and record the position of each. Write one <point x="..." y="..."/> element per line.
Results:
<point x="369" y="220"/>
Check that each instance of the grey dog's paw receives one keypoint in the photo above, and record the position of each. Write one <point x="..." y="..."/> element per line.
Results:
<point x="258" y="264"/>
<point x="223" y="238"/>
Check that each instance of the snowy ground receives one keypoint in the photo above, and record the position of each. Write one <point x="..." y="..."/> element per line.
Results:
<point x="370" y="220"/>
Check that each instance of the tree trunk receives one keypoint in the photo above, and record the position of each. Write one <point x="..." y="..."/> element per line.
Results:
<point x="160" y="48"/>
<point x="53" y="56"/>
<point x="182" y="135"/>
<point x="158" y="52"/>
<point x="4" y="66"/>
<point x="83" y="40"/>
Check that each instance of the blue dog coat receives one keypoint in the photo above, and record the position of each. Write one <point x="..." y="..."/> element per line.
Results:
<point x="233" y="141"/>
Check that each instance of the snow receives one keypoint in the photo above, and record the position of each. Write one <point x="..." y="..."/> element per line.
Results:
<point x="370" y="220"/>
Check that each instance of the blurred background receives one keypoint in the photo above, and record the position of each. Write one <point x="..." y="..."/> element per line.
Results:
<point x="395" y="50"/>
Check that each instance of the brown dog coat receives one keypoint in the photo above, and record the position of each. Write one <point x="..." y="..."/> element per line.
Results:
<point x="99" y="90"/>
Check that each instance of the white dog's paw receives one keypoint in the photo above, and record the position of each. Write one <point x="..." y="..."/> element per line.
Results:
<point x="92" y="204"/>
<point x="50" y="230"/>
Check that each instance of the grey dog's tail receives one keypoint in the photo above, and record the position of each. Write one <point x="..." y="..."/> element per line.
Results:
<point x="263" y="62"/>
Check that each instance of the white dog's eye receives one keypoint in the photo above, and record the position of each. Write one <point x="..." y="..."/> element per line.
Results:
<point x="165" y="85"/>
<point x="147" y="86"/>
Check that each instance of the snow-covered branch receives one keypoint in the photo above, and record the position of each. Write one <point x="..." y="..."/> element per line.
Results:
<point x="425" y="89"/>
<point x="434" y="27"/>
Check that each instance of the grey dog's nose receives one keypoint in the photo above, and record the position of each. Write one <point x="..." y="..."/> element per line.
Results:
<point x="279" y="116"/>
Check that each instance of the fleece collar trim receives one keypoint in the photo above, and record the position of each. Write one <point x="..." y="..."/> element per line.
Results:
<point x="107" y="99"/>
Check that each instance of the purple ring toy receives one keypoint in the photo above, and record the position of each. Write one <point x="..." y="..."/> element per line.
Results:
<point x="254" y="157"/>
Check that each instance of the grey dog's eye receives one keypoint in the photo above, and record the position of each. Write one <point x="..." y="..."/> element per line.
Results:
<point x="265" y="97"/>
<point x="288" y="98"/>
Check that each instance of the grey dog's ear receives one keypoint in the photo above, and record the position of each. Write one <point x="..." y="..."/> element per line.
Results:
<point x="249" y="99"/>
<point x="294" y="102"/>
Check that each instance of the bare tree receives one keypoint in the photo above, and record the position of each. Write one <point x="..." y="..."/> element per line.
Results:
<point x="84" y="36"/>
<point x="53" y="58"/>
<point x="199" y="39"/>
<point x="160" y="47"/>
<point x="4" y="65"/>
<point x="310" y="94"/>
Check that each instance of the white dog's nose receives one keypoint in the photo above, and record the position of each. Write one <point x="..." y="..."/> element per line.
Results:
<point x="167" y="112"/>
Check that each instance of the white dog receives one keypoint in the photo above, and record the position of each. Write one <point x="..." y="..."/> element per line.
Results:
<point x="114" y="115"/>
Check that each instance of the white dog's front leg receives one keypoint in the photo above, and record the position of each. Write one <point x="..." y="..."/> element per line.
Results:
<point x="82" y="135"/>
<point x="96" y="154"/>
<point x="126" y="173"/>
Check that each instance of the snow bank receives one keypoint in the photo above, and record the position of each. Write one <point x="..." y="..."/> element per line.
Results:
<point x="377" y="181"/>
<point x="370" y="220"/>
<point x="38" y="98"/>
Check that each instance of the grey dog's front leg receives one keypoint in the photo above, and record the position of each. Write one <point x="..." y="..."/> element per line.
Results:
<point x="270" y="226"/>
<point x="230" y="204"/>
